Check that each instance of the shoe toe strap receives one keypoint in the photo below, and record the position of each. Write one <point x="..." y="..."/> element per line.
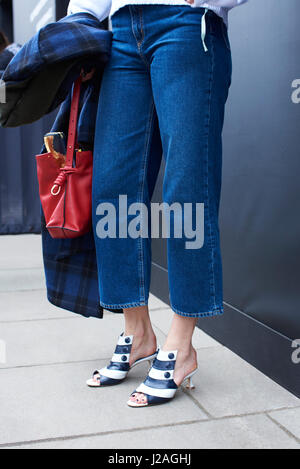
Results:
<point x="113" y="373"/>
<point x="163" y="392"/>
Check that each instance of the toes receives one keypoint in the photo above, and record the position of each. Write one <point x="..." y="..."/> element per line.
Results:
<point x="133" y="397"/>
<point x="138" y="398"/>
<point x="96" y="378"/>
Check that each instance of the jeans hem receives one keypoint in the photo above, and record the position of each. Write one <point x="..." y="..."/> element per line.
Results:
<point x="124" y="305"/>
<point x="207" y="314"/>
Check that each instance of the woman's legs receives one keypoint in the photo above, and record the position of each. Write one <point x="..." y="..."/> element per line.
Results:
<point x="159" y="65"/>
<point x="190" y="88"/>
<point x="138" y="324"/>
<point x="179" y="338"/>
<point x="126" y="155"/>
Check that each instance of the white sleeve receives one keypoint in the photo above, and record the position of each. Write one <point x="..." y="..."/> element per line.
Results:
<point x="98" y="8"/>
<point x="220" y="3"/>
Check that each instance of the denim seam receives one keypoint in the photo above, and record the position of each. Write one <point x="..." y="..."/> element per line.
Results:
<point x="140" y="199"/>
<point x="139" y="43"/>
<point x="132" y="23"/>
<point x="213" y="287"/>
<point x="124" y="305"/>
<point x="142" y="40"/>
<point x="214" y="312"/>
<point x="142" y="25"/>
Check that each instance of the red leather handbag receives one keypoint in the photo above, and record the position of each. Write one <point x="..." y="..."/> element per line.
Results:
<point x="66" y="188"/>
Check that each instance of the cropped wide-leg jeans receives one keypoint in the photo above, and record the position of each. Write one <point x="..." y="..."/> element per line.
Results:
<point x="170" y="69"/>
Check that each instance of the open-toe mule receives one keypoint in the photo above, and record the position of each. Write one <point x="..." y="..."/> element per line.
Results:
<point x="159" y="387"/>
<point x="119" y="367"/>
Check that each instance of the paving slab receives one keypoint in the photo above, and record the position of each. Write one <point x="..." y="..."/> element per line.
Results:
<point x="227" y="385"/>
<point x="162" y="318"/>
<point x="21" y="251"/>
<point x="29" y="305"/>
<point x="251" y="432"/>
<point x="22" y="279"/>
<point x="61" y="340"/>
<point x="289" y="419"/>
<point x="53" y="401"/>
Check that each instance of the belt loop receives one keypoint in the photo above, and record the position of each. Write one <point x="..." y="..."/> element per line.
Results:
<point x="203" y="30"/>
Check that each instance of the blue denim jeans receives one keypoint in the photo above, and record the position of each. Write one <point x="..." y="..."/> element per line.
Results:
<point x="168" y="71"/>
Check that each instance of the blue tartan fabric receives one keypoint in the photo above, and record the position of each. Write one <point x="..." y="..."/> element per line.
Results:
<point x="6" y="56"/>
<point x="61" y="50"/>
<point x="70" y="264"/>
<point x="73" y="36"/>
<point x="88" y="104"/>
<point x="39" y="76"/>
<point x="71" y="273"/>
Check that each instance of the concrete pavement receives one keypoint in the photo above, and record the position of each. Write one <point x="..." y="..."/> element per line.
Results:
<point x="51" y="352"/>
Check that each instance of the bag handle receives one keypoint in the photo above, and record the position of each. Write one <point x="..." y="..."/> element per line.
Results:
<point x="72" y="133"/>
<point x="72" y="140"/>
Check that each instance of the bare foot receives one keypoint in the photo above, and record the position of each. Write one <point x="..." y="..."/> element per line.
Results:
<point x="143" y="345"/>
<point x="186" y="362"/>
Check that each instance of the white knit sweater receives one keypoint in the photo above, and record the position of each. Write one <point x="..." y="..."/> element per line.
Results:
<point x="103" y="8"/>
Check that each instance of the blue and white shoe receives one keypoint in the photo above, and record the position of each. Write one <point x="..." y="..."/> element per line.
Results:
<point x="119" y="367"/>
<point x="159" y="386"/>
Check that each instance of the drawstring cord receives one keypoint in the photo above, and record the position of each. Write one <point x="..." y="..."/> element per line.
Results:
<point x="61" y="179"/>
<point x="203" y="30"/>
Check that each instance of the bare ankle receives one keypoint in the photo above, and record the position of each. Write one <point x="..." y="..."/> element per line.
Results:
<point x="139" y="329"/>
<point x="137" y="321"/>
<point x="183" y="348"/>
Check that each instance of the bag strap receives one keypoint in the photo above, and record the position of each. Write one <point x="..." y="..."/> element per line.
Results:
<point x="72" y="133"/>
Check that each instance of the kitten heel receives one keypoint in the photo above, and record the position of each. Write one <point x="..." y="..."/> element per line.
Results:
<point x="119" y="367"/>
<point x="189" y="380"/>
<point x="159" y="387"/>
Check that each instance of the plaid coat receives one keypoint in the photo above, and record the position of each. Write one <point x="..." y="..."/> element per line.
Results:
<point x="50" y="61"/>
<point x="70" y="264"/>
<point x="6" y="56"/>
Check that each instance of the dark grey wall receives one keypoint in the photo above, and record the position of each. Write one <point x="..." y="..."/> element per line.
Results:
<point x="260" y="208"/>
